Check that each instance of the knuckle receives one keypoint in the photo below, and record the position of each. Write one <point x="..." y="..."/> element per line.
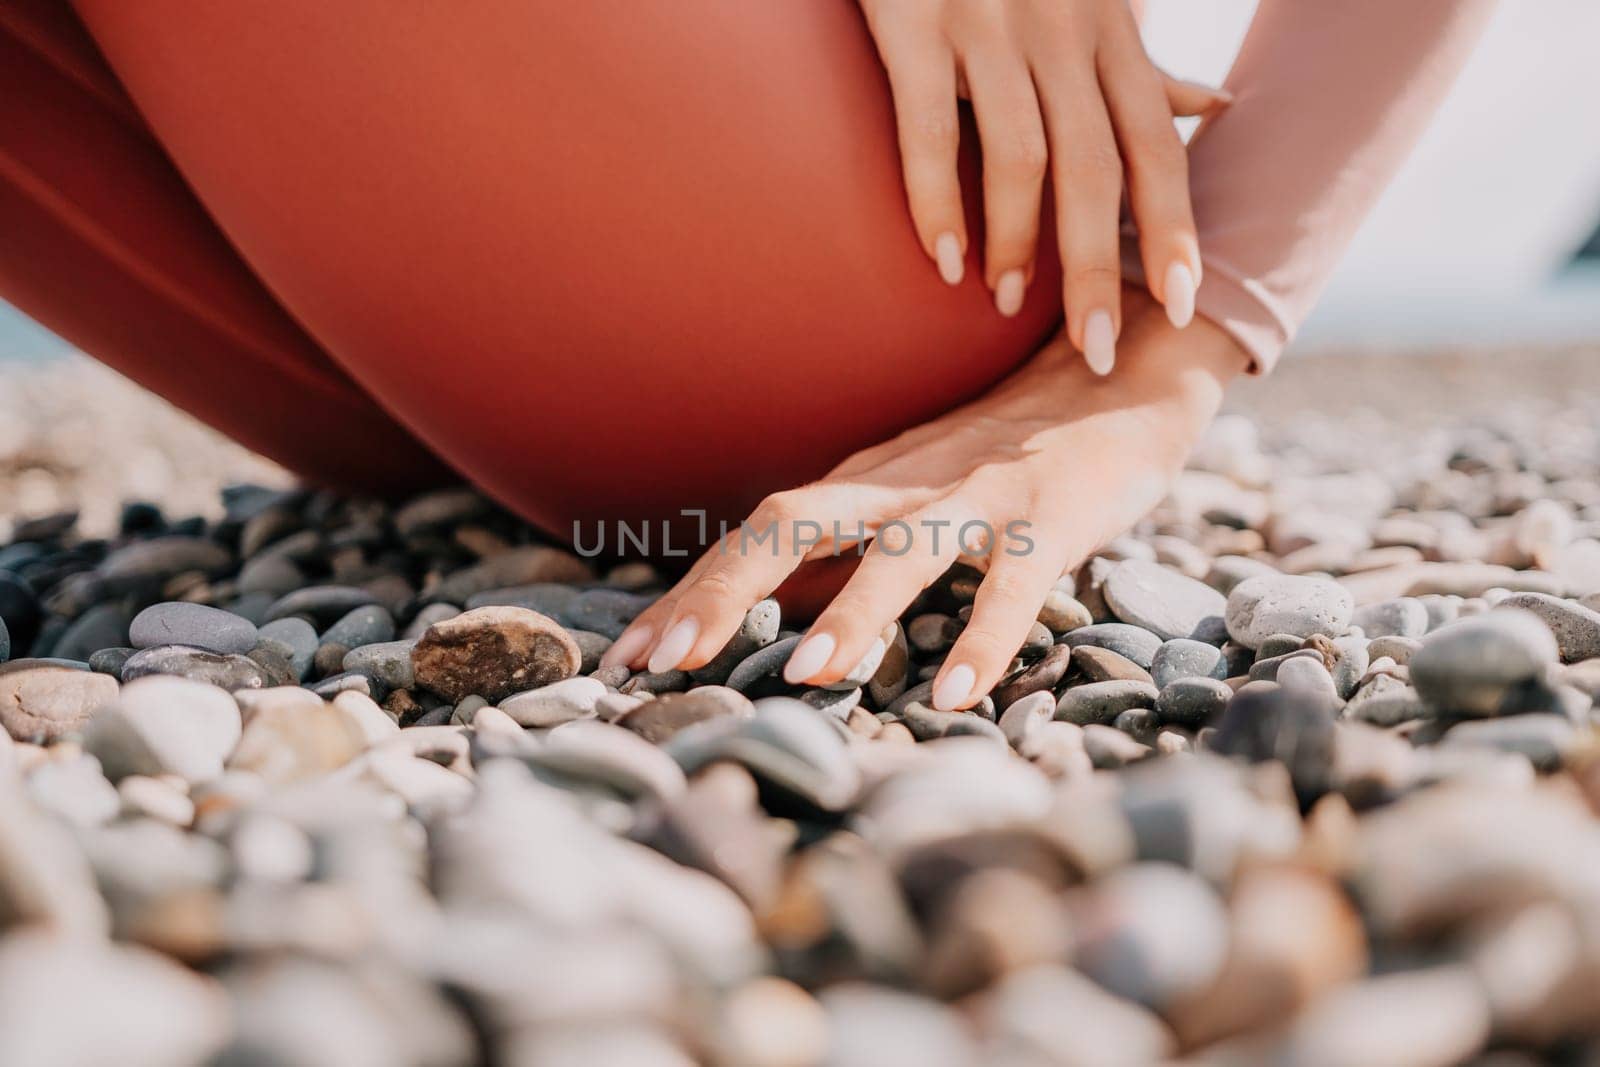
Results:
<point x="715" y="584"/>
<point x="1023" y="155"/>
<point x="1092" y="164"/>
<point x="1093" y="274"/>
<point x="775" y="508"/>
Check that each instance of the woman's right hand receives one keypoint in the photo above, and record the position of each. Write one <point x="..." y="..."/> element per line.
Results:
<point x="1057" y="85"/>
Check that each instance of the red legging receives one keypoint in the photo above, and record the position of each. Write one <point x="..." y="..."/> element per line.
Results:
<point x="607" y="259"/>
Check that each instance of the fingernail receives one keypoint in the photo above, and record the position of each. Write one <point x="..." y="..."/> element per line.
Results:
<point x="953" y="691"/>
<point x="1178" y="295"/>
<point x="1008" y="293"/>
<point x="628" y="646"/>
<point x="947" y="253"/>
<point x="809" y="657"/>
<point x="1100" y="342"/>
<point x="674" y="646"/>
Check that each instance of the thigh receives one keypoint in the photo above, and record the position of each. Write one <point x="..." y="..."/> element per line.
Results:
<point x="611" y="259"/>
<point x="101" y="242"/>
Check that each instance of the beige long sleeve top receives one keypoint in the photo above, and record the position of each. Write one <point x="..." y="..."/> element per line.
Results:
<point x="1329" y="98"/>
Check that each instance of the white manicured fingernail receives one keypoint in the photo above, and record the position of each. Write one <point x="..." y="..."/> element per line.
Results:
<point x="947" y="253"/>
<point x="1178" y="295"/>
<point x="954" y="689"/>
<point x="1008" y="293"/>
<point x="675" y="645"/>
<point x="1100" y="342"/>
<point x="809" y="657"/>
<point x="628" y="646"/>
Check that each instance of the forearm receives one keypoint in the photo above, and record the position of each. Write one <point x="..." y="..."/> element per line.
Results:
<point x="1329" y="98"/>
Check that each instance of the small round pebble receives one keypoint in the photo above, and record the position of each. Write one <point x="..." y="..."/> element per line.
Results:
<point x="195" y="625"/>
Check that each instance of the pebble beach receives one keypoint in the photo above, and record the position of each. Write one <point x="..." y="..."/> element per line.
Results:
<point x="1301" y="771"/>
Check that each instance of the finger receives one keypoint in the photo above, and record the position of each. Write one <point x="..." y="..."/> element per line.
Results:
<point x="1020" y="576"/>
<point x="1158" y="172"/>
<point x="633" y="645"/>
<point x="922" y="77"/>
<point x="1187" y="99"/>
<point x="786" y="529"/>
<point x="1014" y="159"/>
<point x="1086" y="173"/>
<point x="908" y="554"/>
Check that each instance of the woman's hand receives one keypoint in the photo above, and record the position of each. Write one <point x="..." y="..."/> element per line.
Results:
<point x="1058" y="83"/>
<point x="1053" y="460"/>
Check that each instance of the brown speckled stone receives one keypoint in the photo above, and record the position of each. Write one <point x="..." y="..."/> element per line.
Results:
<point x="493" y="652"/>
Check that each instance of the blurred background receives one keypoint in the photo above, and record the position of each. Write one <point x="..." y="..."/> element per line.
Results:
<point x="1491" y="234"/>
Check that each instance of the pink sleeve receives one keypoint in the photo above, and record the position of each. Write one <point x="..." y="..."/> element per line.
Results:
<point x="1329" y="98"/>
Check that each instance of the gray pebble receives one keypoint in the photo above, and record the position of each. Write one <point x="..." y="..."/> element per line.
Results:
<point x="1131" y="642"/>
<point x="387" y="661"/>
<point x="294" y="639"/>
<point x="1576" y="628"/>
<point x="1192" y="701"/>
<point x="1403" y="617"/>
<point x="195" y="625"/>
<point x="1168" y="604"/>
<point x="556" y="703"/>
<point x="1184" y="658"/>
<point x="1102" y="702"/>
<point x="369" y="624"/>
<point x="1287" y="604"/>
<point x="1485" y="664"/>
<point x="228" y="672"/>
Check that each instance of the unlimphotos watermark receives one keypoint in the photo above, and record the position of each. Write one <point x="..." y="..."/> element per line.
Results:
<point x="897" y="537"/>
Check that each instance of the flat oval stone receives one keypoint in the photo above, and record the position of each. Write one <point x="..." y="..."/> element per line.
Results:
<point x="388" y="661"/>
<point x="1401" y="617"/>
<point x="893" y="672"/>
<point x="658" y="720"/>
<point x="1168" y="604"/>
<point x="763" y="663"/>
<point x="1287" y="604"/>
<point x="605" y="611"/>
<point x="160" y="558"/>
<point x="165" y="725"/>
<point x="1480" y="665"/>
<point x="928" y="724"/>
<point x="1103" y="665"/>
<point x="322" y="604"/>
<point x="1102" y="702"/>
<point x="195" y="625"/>
<point x="1041" y="677"/>
<point x="368" y="624"/>
<point x="294" y="639"/>
<point x="758" y="629"/>
<point x="1184" y="658"/>
<point x="111" y="660"/>
<point x="493" y="652"/>
<point x="556" y="703"/>
<point x="102" y="626"/>
<point x="1576" y="628"/>
<point x="1132" y="642"/>
<point x="523" y="565"/>
<point x="43" y="701"/>
<point x="609" y="754"/>
<point x="794" y="747"/>
<point x="228" y="672"/>
<point x="1192" y="701"/>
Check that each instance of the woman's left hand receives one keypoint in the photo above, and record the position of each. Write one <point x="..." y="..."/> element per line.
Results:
<point x="1062" y="86"/>
<point x="1053" y="460"/>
